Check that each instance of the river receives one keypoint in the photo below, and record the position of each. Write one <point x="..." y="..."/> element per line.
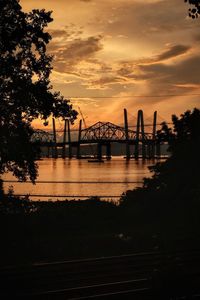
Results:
<point x="59" y="178"/>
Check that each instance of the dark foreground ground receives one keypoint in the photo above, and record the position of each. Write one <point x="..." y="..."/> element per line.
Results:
<point x="144" y="275"/>
<point x="94" y="249"/>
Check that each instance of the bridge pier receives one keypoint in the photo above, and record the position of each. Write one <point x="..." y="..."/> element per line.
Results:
<point x="140" y="122"/>
<point x="144" y="154"/>
<point x="48" y="151"/>
<point x="154" y="134"/>
<point x="64" y="140"/>
<point x="69" y="140"/>
<point x="126" y="134"/>
<point x="143" y="135"/>
<point x="55" y="152"/>
<point x="149" y="150"/>
<point x="158" y="153"/>
<point x="108" y="151"/>
<point x="136" y="150"/>
<point x="78" y="155"/>
<point x="149" y="147"/>
<point x="99" y="151"/>
<point x="153" y="149"/>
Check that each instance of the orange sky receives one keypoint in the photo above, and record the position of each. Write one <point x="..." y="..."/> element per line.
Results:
<point x="117" y="49"/>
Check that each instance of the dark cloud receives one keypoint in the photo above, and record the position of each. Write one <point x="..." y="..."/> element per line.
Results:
<point x="151" y="63"/>
<point x="170" y="79"/>
<point x="197" y="38"/>
<point x="149" y="68"/>
<point x="104" y="81"/>
<point x="126" y="70"/>
<point x="69" y="54"/>
<point x="57" y="33"/>
<point x="180" y="77"/>
<point x="80" y="49"/>
<point x="185" y="72"/>
<point x="67" y="33"/>
<point x="173" y="52"/>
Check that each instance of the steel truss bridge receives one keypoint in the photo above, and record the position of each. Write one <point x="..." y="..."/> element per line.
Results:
<point x="106" y="131"/>
<point x="102" y="134"/>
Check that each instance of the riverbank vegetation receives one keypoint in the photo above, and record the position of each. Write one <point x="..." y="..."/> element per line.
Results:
<point x="162" y="215"/>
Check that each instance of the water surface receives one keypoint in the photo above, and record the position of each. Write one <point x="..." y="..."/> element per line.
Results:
<point x="80" y="178"/>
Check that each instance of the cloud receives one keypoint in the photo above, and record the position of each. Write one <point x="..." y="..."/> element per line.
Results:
<point x="81" y="49"/>
<point x="180" y="78"/>
<point x="78" y="59"/>
<point x="67" y="33"/>
<point x="122" y="48"/>
<point x="135" y="68"/>
<point x="58" y="33"/>
<point x="168" y="73"/>
<point x="104" y="82"/>
<point x="186" y="71"/>
<point x="68" y="54"/>
<point x="172" y="52"/>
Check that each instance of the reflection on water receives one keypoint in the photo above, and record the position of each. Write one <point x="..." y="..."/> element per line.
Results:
<point x="124" y="175"/>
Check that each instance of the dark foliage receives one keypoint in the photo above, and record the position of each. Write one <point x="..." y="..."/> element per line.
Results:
<point x="163" y="215"/>
<point x="178" y="177"/>
<point x="194" y="11"/>
<point x="25" y="90"/>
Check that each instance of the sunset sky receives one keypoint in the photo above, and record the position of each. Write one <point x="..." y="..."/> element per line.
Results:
<point x="107" y="51"/>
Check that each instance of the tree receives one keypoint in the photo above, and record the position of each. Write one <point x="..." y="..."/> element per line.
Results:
<point x="179" y="175"/>
<point x="194" y="12"/>
<point x="176" y="178"/>
<point x="25" y="90"/>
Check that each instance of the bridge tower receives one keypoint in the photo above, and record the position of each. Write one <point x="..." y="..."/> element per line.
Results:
<point x="126" y="134"/>
<point x="69" y="139"/>
<point x="78" y="155"/>
<point x="55" y="152"/>
<point x="154" y="133"/>
<point x="64" y="139"/>
<point x="151" y="143"/>
<point x="140" y="123"/>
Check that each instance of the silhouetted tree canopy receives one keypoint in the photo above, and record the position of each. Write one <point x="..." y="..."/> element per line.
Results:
<point x="25" y="90"/>
<point x="194" y="11"/>
<point x="181" y="171"/>
<point x="178" y="176"/>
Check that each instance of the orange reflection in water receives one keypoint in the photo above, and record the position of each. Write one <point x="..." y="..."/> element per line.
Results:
<point x="111" y="178"/>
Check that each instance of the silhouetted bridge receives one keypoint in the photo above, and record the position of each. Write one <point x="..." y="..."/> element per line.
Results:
<point x="146" y="144"/>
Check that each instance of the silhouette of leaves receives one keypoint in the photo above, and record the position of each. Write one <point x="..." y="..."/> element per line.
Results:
<point x="195" y="11"/>
<point x="25" y="90"/>
<point x="178" y="177"/>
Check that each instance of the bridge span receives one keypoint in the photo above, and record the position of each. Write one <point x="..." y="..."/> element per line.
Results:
<point x="104" y="134"/>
